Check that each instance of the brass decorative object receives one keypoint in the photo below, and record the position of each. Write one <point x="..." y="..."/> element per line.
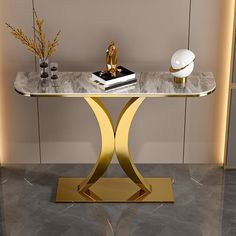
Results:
<point x="39" y="45"/>
<point x="112" y="60"/>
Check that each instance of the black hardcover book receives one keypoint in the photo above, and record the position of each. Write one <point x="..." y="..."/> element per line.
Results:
<point x="107" y="79"/>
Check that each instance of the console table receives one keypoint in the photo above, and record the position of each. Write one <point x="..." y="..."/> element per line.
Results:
<point x="93" y="188"/>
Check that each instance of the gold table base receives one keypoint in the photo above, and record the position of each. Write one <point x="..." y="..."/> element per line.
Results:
<point x="93" y="188"/>
<point x="115" y="190"/>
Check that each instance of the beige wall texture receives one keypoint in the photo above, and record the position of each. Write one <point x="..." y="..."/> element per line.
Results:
<point x="56" y="130"/>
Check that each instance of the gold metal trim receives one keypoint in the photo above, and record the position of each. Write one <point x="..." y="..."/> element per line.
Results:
<point x="117" y="95"/>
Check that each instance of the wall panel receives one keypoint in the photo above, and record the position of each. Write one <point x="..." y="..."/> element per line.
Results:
<point x="18" y="114"/>
<point x="231" y="152"/>
<point x="201" y="122"/>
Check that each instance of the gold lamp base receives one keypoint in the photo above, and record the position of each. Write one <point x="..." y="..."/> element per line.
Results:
<point x="180" y="82"/>
<point x="115" y="190"/>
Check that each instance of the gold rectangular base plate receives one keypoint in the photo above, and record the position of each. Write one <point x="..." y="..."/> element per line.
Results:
<point x="114" y="190"/>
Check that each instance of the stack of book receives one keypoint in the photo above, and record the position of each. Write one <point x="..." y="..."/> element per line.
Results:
<point x="106" y="82"/>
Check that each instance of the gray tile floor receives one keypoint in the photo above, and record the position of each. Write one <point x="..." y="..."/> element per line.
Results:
<point x="205" y="204"/>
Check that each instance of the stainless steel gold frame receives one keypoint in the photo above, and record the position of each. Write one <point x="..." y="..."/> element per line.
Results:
<point x="93" y="188"/>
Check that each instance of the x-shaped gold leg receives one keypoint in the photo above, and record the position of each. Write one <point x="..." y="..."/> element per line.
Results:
<point x="117" y="140"/>
<point x="93" y="188"/>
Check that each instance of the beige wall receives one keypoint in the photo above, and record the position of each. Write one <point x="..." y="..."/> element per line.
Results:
<point x="19" y="114"/>
<point x="201" y="125"/>
<point x="147" y="33"/>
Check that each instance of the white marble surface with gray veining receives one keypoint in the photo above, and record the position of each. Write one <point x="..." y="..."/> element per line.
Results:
<point x="77" y="84"/>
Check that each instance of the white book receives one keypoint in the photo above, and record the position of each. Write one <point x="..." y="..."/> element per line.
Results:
<point x="119" y="85"/>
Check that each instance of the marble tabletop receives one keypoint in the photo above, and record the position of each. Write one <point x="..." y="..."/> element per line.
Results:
<point x="77" y="84"/>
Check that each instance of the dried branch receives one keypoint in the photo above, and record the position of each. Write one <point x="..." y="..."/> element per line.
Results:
<point x="19" y="34"/>
<point x="38" y="46"/>
<point x="51" y="47"/>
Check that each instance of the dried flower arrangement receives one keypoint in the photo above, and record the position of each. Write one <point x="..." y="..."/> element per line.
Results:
<point x="38" y="45"/>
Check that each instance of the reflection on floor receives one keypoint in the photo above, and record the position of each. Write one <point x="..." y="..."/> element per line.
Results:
<point x="205" y="204"/>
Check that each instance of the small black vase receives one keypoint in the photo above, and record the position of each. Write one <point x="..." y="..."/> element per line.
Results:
<point x="44" y="68"/>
